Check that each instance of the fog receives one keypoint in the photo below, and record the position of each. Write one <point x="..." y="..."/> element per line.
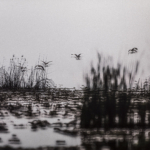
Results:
<point x="53" y="30"/>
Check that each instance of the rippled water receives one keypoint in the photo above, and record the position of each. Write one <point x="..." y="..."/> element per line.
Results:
<point x="19" y="120"/>
<point x="38" y="121"/>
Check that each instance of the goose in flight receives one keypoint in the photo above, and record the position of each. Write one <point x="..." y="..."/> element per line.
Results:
<point x="77" y="56"/>
<point x="39" y="67"/>
<point x="133" y="50"/>
<point x="46" y="63"/>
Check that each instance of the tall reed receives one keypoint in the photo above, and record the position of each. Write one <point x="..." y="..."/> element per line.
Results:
<point x="18" y="76"/>
<point x="106" y="97"/>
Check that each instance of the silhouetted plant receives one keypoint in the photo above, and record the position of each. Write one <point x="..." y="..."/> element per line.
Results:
<point x="106" y="96"/>
<point x="18" y="76"/>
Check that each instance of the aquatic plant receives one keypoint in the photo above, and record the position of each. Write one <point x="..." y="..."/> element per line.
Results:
<point x="106" y="96"/>
<point x="18" y="76"/>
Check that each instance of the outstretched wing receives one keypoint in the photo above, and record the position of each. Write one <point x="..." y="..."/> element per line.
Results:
<point x="46" y="62"/>
<point x="79" y="55"/>
<point x="39" y="67"/>
<point x="135" y="49"/>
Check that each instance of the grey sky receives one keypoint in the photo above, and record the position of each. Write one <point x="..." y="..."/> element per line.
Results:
<point x="54" y="29"/>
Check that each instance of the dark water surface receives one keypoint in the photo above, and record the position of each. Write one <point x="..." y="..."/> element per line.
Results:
<point x="41" y="119"/>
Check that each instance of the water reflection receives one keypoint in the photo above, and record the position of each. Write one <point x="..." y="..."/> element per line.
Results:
<point x="114" y="116"/>
<point x="30" y="123"/>
<point x="104" y="115"/>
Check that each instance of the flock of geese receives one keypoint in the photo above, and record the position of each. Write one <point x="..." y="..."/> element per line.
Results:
<point x="130" y="51"/>
<point x="46" y="64"/>
<point x="76" y="56"/>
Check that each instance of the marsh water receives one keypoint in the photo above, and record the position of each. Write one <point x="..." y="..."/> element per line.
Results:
<point x="35" y="120"/>
<point x="52" y="119"/>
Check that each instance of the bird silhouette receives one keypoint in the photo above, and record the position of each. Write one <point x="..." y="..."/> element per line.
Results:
<point x="77" y="56"/>
<point x="133" y="50"/>
<point x="46" y="63"/>
<point x="39" y="67"/>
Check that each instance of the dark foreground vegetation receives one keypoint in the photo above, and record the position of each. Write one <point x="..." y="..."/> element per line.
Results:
<point x="107" y="99"/>
<point x="112" y="104"/>
<point x="17" y="76"/>
<point x="111" y="113"/>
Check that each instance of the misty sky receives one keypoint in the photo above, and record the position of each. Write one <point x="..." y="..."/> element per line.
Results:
<point x="55" y="29"/>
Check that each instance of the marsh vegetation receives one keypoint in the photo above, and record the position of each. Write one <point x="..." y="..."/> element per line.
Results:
<point x="111" y="112"/>
<point x="18" y="76"/>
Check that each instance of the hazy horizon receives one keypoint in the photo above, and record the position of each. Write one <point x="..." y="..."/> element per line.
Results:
<point x="53" y="30"/>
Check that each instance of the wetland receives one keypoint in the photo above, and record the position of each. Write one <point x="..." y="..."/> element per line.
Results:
<point x="107" y="114"/>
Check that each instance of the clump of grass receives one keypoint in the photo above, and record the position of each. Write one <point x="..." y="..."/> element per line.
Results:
<point x="18" y="76"/>
<point x="106" y="95"/>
